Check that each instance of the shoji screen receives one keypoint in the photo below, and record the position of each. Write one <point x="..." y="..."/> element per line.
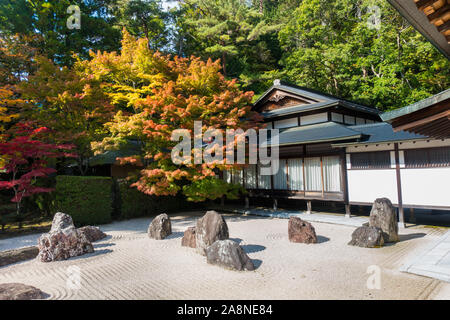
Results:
<point x="250" y="176"/>
<point x="295" y="174"/>
<point x="331" y="173"/>
<point x="264" y="181"/>
<point x="280" y="177"/>
<point x="313" y="174"/>
<point x="237" y="176"/>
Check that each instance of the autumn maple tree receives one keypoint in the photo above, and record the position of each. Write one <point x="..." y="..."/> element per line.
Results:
<point x="71" y="103"/>
<point x="27" y="154"/>
<point x="156" y="94"/>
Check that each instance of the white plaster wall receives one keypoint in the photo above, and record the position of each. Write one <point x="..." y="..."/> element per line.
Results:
<point x="285" y="123"/>
<point x="368" y="185"/>
<point x="314" y="118"/>
<point x="426" y="186"/>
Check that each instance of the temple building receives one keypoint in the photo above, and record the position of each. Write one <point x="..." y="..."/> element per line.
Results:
<point x="335" y="150"/>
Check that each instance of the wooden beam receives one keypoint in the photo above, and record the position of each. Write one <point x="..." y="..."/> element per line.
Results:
<point x="406" y="126"/>
<point x="444" y="27"/>
<point x="422" y="4"/>
<point x="439" y="12"/>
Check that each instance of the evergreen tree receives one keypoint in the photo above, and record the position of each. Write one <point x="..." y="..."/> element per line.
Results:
<point x="361" y="50"/>
<point x="234" y="31"/>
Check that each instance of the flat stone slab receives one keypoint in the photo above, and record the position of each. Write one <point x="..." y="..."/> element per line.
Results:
<point x="20" y="291"/>
<point x="434" y="262"/>
<point x="18" y="255"/>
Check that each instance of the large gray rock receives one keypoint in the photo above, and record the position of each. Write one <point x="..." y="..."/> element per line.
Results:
<point x="19" y="291"/>
<point x="384" y="216"/>
<point x="210" y="228"/>
<point x="63" y="241"/>
<point x="367" y="237"/>
<point x="160" y="227"/>
<point x="301" y="231"/>
<point x="228" y="254"/>
<point x="188" y="239"/>
<point x="92" y="233"/>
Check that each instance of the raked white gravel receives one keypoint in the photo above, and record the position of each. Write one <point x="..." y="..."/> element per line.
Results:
<point x="129" y="265"/>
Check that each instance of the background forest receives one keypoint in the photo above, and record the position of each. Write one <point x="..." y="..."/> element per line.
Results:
<point x="362" y="50"/>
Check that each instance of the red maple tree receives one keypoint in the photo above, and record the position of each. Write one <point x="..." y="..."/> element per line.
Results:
<point x="25" y="156"/>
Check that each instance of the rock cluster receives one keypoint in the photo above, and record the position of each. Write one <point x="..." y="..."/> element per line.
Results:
<point x="301" y="231"/>
<point x="210" y="228"/>
<point x="210" y="238"/>
<point x="63" y="241"/>
<point x="160" y="227"/>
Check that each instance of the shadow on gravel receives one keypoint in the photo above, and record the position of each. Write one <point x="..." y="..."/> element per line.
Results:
<point x="251" y="248"/>
<point x="175" y="235"/>
<point x="257" y="263"/>
<point x="322" y="239"/>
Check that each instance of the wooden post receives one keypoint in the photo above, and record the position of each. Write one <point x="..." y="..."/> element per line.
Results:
<point x="344" y="182"/>
<point x="412" y="216"/>
<point x="308" y="207"/>
<point x="347" y="211"/>
<point x="401" y="215"/>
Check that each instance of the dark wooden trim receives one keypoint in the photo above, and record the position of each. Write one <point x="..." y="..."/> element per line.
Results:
<point x="321" y="175"/>
<point x="287" y="174"/>
<point x="401" y="215"/>
<point x="344" y="181"/>
<point x="405" y="206"/>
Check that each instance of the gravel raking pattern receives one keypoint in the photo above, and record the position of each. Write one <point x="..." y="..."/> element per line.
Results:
<point x="129" y="265"/>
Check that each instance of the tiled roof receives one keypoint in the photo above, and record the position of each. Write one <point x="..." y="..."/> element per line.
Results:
<point x="321" y="132"/>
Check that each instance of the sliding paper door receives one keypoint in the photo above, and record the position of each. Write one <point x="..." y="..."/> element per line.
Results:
<point x="250" y="176"/>
<point x="313" y="174"/>
<point x="295" y="174"/>
<point x="280" y="177"/>
<point x="332" y="173"/>
<point x="264" y="181"/>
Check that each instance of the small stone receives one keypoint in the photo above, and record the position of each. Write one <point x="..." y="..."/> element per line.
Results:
<point x="210" y="228"/>
<point x="160" y="227"/>
<point x="19" y="291"/>
<point x="367" y="237"/>
<point x="301" y="231"/>
<point x="228" y="254"/>
<point x="92" y="233"/>
<point x="384" y="216"/>
<point x="188" y="239"/>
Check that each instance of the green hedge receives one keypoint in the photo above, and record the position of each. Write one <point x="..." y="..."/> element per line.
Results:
<point x="87" y="199"/>
<point x="131" y="203"/>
